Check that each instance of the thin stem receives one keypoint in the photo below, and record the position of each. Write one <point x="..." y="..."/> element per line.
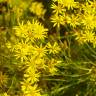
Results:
<point x="90" y="49"/>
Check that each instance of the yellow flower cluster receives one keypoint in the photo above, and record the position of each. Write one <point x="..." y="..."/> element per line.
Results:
<point x="83" y="16"/>
<point x="88" y="23"/>
<point x="59" y="16"/>
<point x="89" y="17"/>
<point x="31" y="52"/>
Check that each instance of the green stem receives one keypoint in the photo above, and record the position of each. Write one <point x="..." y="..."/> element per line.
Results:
<point x="92" y="50"/>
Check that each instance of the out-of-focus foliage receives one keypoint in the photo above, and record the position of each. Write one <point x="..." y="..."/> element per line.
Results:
<point x="47" y="48"/>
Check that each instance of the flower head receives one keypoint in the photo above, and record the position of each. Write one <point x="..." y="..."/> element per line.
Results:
<point x="53" y="48"/>
<point x="30" y="90"/>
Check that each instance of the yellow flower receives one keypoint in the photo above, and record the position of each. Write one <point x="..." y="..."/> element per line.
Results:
<point x="31" y="75"/>
<point x="39" y="51"/>
<point x="53" y="48"/>
<point x="37" y="62"/>
<point x="57" y="8"/>
<point x="21" y="30"/>
<point x="30" y="90"/>
<point x="86" y="36"/>
<point x="78" y="37"/>
<point x="73" y="20"/>
<point x="52" y="66"/>
<point x="31" y="30"/>
<point x="89" y="21"/>
<point x="57" y="20"/>
<point x="38" y="9"/>
<point x="22" y="50"/>
<point x="89" y="8"/>
<point x="40" y="63"/>
<point x="39" y="31"/>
